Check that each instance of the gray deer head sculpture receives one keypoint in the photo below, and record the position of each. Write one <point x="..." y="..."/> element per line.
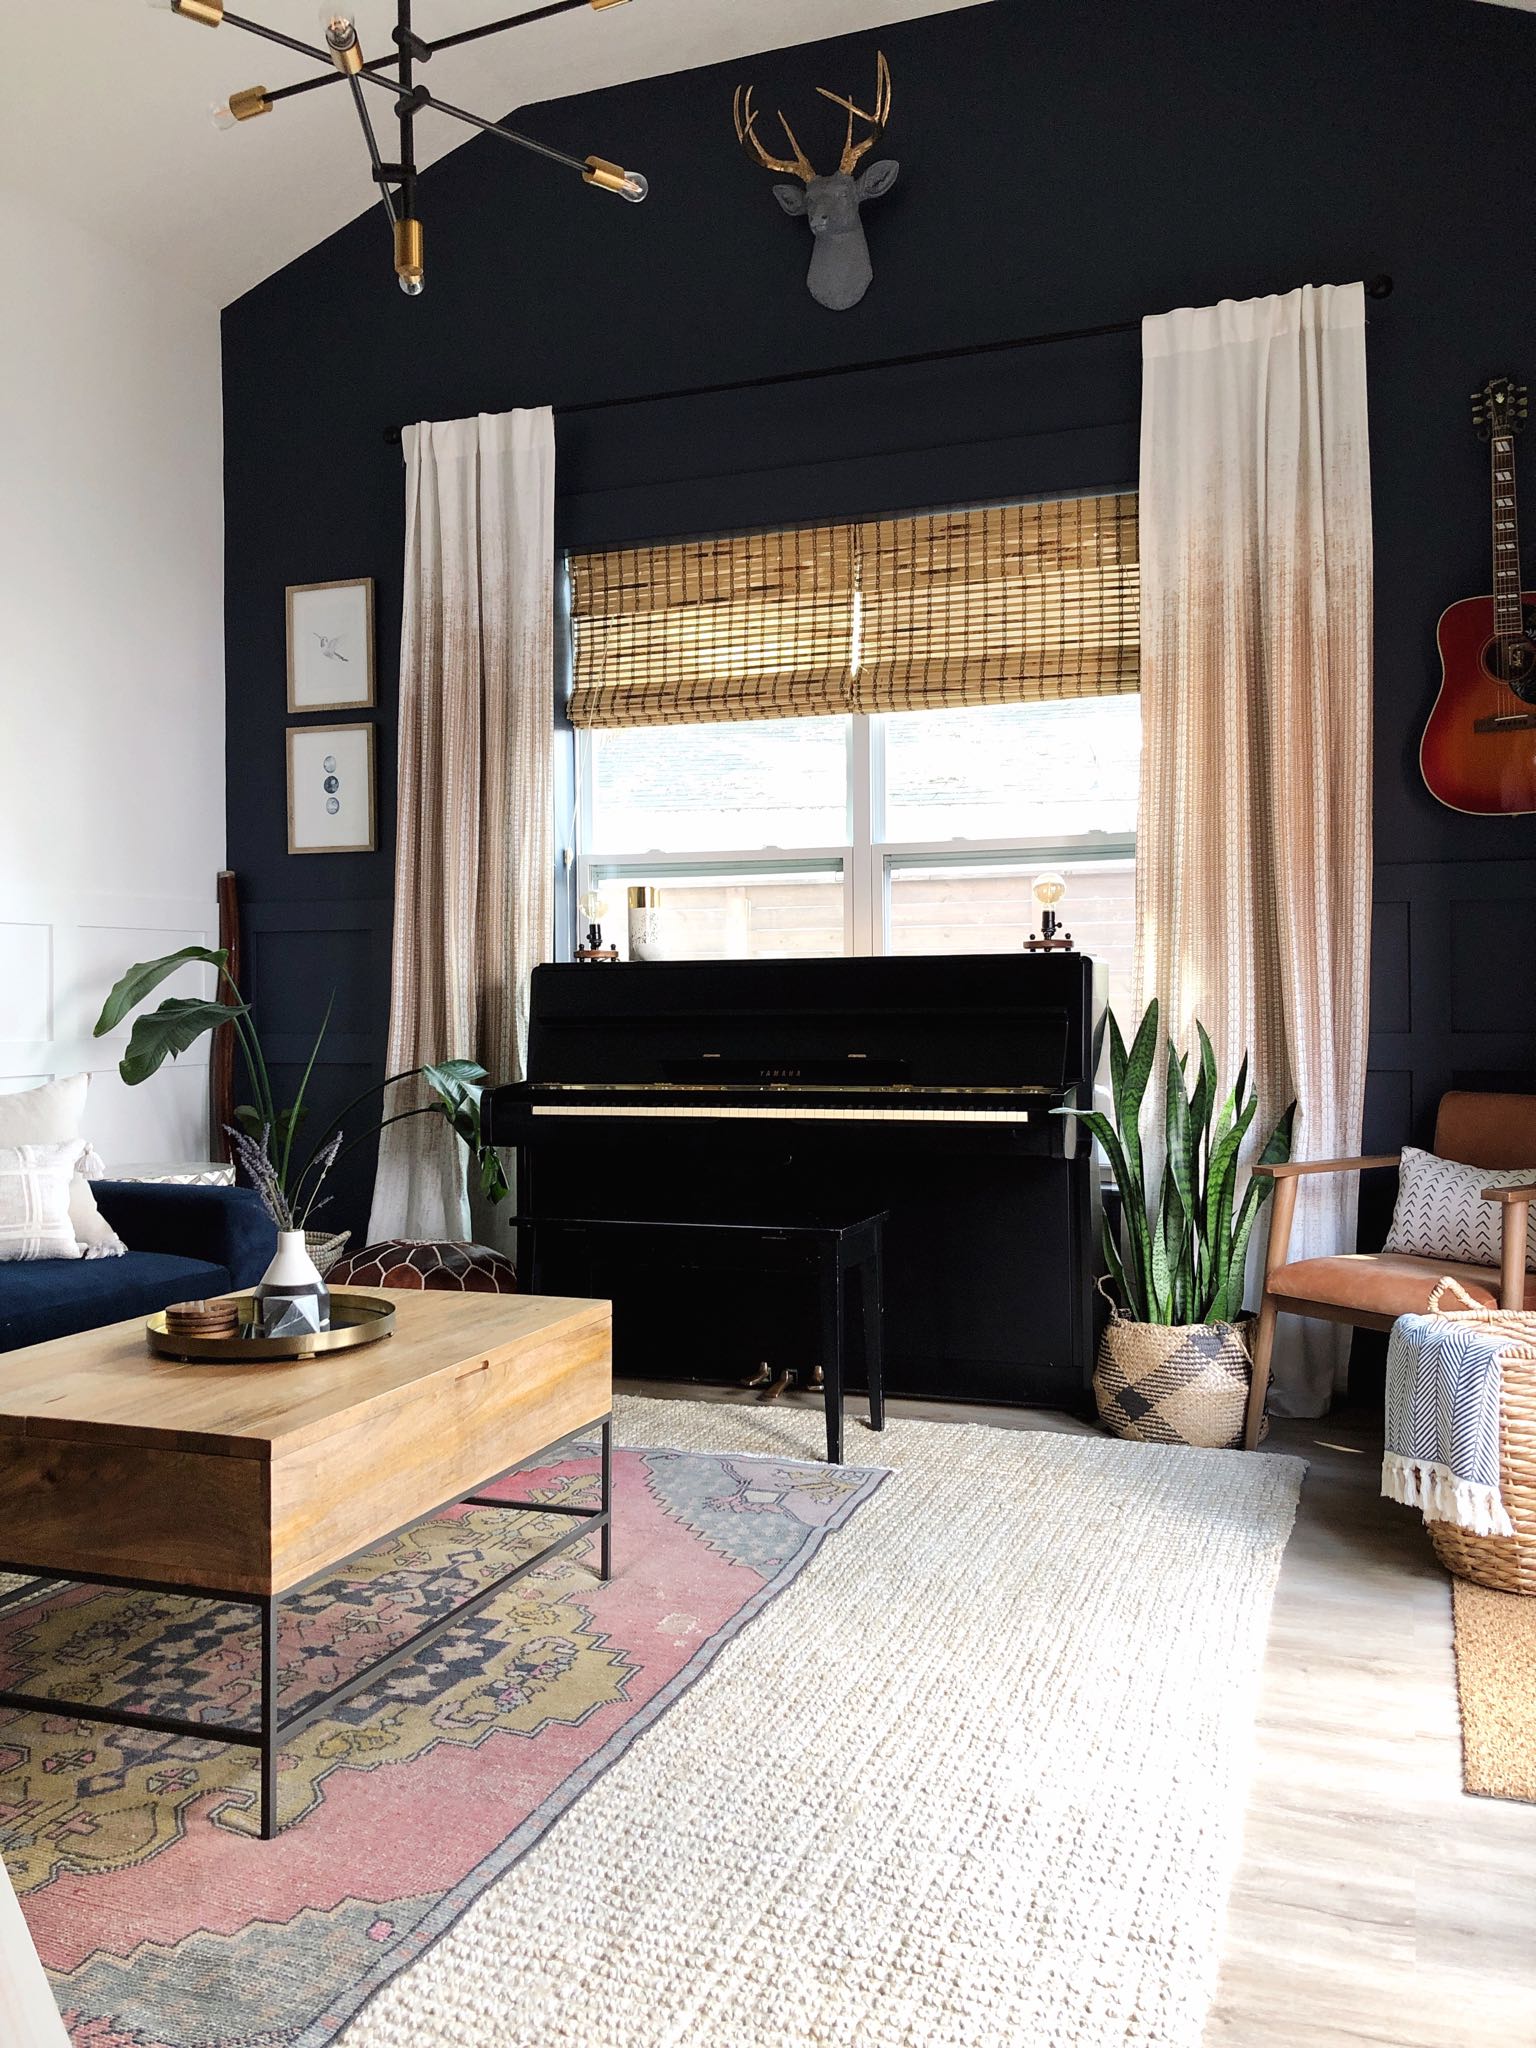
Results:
<point x="840" y="271"/>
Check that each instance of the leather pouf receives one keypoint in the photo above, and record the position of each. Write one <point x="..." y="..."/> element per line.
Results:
<point x="404" y="1262"/>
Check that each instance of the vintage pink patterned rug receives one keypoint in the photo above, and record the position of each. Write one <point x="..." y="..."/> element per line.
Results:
<point x="165" y="1922"/>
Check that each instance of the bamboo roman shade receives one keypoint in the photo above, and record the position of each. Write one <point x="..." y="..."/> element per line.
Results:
<point x="1006" y="604"/>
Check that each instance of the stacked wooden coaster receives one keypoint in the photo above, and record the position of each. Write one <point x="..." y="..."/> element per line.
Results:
<point x="202" y="1319"/>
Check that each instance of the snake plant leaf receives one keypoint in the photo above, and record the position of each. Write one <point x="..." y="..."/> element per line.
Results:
<point x="146" y="977"/>
<point x="1129" y="1093"/>
<point x="1258" y="1191"/>
<point x="1133" y="1295"/>
<point x="167" y="1032"/>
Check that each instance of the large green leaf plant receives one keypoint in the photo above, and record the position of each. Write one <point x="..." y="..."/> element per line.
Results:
<point x="1180" y="1259"/>
<point x="454" y="1086"/>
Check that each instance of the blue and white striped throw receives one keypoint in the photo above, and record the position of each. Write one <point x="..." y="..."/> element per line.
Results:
<point x="1444" y="1382"/>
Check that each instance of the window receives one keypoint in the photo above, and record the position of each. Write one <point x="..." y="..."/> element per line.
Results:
<point x="873" y="826"/>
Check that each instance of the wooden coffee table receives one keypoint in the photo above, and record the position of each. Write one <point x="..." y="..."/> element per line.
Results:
<point x="248" y="1483"/>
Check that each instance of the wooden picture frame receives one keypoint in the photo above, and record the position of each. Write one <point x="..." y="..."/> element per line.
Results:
<point x="331" y="766"/>
<point x="330" y="645"/>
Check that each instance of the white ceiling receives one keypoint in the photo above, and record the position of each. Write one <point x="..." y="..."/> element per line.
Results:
<point x="110" y="127"/>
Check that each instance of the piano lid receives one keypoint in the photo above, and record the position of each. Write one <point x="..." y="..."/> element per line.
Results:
<point x="971" y="1020"/>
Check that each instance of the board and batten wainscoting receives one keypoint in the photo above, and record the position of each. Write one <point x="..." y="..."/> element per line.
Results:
<point x="59" y="955"/>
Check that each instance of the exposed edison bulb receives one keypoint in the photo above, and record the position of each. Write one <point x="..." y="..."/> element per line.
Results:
<point x="209" y="12"/>
<point x="413" y="287"/>
<point x="340" y="33"/>
<point x="634" y="187"/>
<point x="592" y="907"/>
<point x="240" y="106"/>
<point x="1049" y="890"/>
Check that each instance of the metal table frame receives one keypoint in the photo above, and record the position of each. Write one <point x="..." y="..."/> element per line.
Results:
<point x="273" y="1732"/>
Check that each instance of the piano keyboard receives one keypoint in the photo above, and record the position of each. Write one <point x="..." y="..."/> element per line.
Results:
<point x="802" y="1113"/>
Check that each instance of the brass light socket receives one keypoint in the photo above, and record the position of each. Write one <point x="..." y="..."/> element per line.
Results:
<point x="410" y="257"/>
<point x="612" y="177"/>
<point x="209" y="12"/>
<point x="245" y="106"/>
<point x="349" y="59"/>
<point x="598" y="5"/>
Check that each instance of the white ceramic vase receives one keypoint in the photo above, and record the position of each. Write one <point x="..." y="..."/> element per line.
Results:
<point x="293" y="1297"/>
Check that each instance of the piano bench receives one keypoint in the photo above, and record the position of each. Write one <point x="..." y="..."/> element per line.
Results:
<point x="837" y="1249"/>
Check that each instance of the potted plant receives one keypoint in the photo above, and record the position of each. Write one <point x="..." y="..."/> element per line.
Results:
<point x="284" y="1172"/>
<point x="1174" y="1363"/>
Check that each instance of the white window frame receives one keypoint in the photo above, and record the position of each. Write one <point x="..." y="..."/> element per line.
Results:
<point x="866" y="861"/>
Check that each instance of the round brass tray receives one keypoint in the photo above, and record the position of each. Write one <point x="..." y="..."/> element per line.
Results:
<point x="355" y="1319"/>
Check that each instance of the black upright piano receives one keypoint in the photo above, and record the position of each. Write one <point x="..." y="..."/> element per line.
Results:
<point x="763" y="1091"/>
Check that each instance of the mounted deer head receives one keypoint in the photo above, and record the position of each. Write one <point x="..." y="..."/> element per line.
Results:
<point x="840" y="268"/>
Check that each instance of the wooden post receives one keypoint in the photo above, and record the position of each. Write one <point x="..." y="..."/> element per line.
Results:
<point x="221" y="1061"/>
<point x="1282" y="1215"/>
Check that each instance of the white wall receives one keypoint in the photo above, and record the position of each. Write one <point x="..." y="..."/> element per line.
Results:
<point x="111" y="660"/>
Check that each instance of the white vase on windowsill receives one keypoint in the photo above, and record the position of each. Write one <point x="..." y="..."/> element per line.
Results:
<point x="292" y="1296"/>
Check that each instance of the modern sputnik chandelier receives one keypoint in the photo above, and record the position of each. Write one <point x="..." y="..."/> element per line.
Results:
<point x="341" y="56"/>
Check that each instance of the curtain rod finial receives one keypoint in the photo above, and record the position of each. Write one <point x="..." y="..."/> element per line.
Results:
<point x="1378" y="287"/>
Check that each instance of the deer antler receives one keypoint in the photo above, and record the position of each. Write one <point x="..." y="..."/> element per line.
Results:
<point x="800" y="166"/>
<point x="853" y="151"/>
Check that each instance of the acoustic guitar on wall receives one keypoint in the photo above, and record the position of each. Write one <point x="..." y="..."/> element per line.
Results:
<point x="1478" y="752"/>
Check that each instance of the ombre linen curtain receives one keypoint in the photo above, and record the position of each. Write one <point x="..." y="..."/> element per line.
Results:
<point x="1253" y="876"/>
<point x="473" y="865"/>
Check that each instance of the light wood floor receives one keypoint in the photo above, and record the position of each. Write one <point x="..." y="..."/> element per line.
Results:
<point x="1375" y="1902"/>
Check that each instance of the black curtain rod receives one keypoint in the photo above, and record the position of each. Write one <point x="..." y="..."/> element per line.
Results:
<point x="1379" y="287"/>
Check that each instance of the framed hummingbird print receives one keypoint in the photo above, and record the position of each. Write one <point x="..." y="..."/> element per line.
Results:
<point x="330" y="645"/>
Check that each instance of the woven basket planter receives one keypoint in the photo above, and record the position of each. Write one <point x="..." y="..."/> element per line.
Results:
<point x="1162" y="1383"/>
<point x="1505" y="1563"/>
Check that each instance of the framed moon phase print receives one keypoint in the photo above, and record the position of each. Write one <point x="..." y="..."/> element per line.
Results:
<point x="330" y="789"/>
<point x="330" y="646"/>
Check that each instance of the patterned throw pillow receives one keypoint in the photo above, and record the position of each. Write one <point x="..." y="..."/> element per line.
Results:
<point x="34" y="1202"/>
<point x="1441" y="1214"/>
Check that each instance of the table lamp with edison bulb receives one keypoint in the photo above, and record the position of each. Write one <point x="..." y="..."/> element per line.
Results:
<point x="1048" y="891"/>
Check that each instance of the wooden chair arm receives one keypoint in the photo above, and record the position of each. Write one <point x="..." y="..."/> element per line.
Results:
<point x="1288" y="1169"/>
<point x="1514" y="1225"/>
<point x="1508" y="1195"/>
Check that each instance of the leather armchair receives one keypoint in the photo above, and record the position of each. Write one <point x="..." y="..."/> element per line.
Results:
<point x="1370" y="1290"/>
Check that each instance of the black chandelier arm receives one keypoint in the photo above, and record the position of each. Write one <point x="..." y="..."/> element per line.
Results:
<point x="492" y="28"/>
<point x="384" y="65"/>
<point x="430" y="99"/>
<point x="424" y="98"/>
<point x="372" y="141"/>
<point x="379" y="65"/>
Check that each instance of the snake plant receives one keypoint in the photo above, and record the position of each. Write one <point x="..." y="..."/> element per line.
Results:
<point x="1182" y="1259"/>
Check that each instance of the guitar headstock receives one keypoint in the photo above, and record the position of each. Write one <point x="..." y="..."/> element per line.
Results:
<point x="1499" y="408"/>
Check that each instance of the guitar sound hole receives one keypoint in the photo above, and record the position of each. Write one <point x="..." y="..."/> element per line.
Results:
<point x="1522" y="660"/>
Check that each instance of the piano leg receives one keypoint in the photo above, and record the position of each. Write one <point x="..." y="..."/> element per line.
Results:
<point x="832" y="1348"/>
<point x="871" y="1281"/>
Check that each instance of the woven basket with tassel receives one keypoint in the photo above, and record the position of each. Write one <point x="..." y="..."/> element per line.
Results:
<point x="1505" y="1563"/>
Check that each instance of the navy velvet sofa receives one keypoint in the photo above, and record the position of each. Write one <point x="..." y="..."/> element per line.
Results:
<point x="182" y="1242"/>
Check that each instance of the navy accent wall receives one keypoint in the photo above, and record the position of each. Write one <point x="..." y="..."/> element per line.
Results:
<point x="1061" y="168"/>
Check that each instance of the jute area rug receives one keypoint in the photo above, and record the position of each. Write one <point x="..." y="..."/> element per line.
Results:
<point x="975" y="1780"/>
<point x="1496" y="1679"/>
